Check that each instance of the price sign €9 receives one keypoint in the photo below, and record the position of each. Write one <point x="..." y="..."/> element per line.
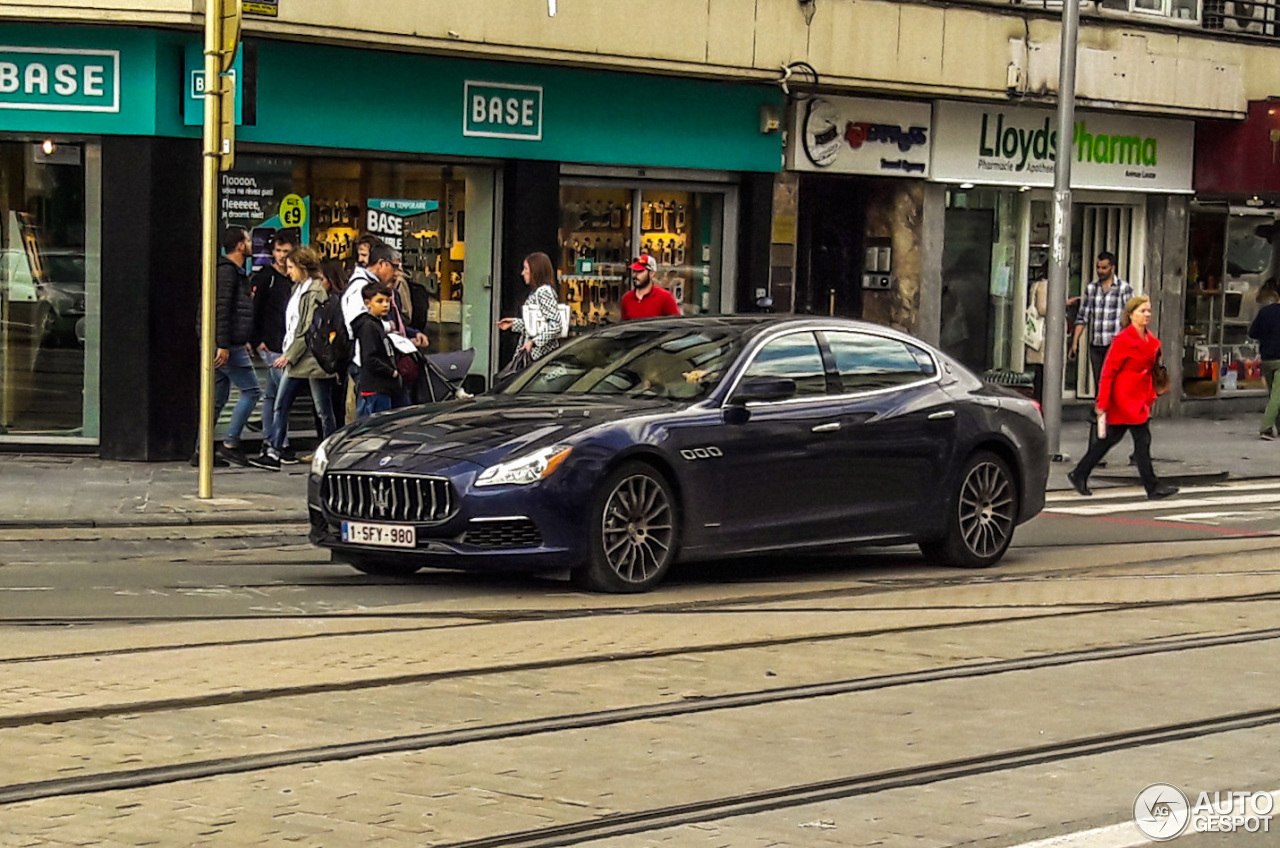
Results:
<point x="293" y="211"/>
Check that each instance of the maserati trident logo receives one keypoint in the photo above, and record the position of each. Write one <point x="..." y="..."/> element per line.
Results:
<point x="381" y="493"/>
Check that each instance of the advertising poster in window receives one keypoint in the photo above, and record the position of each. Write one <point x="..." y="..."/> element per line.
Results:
<point x="260" y="198"/>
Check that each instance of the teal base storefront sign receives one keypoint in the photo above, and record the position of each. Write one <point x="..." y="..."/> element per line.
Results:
<point x="59" y="80"/>
<point x="127" y="81"/>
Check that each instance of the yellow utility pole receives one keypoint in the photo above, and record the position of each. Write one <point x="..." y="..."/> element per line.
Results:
<point x="221" y="42"/>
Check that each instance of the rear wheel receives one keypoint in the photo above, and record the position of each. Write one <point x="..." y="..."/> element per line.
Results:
<point x="981" y="516"/>
<point x="634" y="532"/>
<point x="381" y="568"/>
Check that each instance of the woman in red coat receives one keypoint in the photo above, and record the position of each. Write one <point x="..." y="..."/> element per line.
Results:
<point x="1126" y="393"/>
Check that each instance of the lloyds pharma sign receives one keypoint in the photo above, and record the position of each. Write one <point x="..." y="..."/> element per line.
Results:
<point x="996" y="145"/>
<point x="57" y="80"/>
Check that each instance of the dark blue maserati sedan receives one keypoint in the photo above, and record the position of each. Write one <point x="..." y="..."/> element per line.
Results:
<point x="645" y="444"/>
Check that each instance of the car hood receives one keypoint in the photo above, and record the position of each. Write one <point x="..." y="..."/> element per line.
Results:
<point x="483" y="430"/>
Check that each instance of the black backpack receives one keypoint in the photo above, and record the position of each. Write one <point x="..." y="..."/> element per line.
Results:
<point x="327" y="337"/>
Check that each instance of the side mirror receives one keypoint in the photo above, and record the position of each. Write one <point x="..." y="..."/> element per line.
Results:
<point x="754" y="389"/>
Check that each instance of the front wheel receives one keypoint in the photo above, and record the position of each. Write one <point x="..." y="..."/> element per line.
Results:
<point x="980" y="517"/>
<point x="634" y="532"/>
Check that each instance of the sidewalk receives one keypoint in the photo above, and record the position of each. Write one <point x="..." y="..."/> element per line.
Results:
<point x="43" y="490"/>
<point x="50" y="490"/>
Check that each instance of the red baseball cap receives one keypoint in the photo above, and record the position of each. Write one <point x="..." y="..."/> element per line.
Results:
<point x="645" y="262"/>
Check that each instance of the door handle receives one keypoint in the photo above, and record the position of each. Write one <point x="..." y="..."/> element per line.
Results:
<point x="827" y="428"/>
<point x="938" y="416"/>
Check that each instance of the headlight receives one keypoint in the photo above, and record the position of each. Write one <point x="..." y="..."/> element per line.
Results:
<point x="527" y="469"/>
<point x="320" y="459"/>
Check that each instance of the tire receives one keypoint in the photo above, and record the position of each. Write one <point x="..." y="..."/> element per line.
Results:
<point x="981" y="515"/>
<point x="634" y="532"/>
<point x="381" y="568"/>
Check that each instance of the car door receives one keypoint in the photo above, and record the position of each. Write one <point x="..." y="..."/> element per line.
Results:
<point x="898" y="430"/>
<point x="779" y="478"/>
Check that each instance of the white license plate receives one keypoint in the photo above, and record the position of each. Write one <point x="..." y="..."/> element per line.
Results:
<point x="382" y="535"/>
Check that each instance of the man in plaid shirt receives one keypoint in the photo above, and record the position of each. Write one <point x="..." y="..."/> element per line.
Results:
<point x="1104" y="301"/>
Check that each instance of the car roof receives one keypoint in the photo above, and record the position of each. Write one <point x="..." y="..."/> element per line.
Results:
<point x="752" y="325"/>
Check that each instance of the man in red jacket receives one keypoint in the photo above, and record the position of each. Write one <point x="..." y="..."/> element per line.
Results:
<point x="647" y="299"/>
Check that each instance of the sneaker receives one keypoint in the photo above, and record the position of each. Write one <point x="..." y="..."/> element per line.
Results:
<point x="218" y="462"/>
<point x="1161" y="491"/>
<point x="289" y="457"/>
<point x="266" y="461"/>
<point x="1080" y="484"/>
<point x="1268" y="435"/>
<point x="232" y="454"/>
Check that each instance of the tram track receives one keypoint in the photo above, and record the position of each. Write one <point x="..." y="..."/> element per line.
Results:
<point x="715" y="809"/>
<point x="483" y="618"/>
<point x="151" y="776"/>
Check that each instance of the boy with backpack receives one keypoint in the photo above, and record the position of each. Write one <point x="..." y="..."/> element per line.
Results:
<point x="378" y="381"/>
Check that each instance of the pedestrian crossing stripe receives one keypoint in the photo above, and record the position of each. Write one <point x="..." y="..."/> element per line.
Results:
<point x="1136" y="492"/>
<point x="1179" y="504"/>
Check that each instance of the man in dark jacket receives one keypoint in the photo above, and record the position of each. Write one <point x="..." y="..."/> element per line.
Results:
<point x="234" y="331"/>
<point x="271" y="289"/>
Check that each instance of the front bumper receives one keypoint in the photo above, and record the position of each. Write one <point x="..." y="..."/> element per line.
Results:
<point x="500" y="528"/>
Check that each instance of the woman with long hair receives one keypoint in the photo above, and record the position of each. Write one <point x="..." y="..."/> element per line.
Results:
<point x="334" y="277"/>
<point x="1126" y="393"/>
<point x="302" y="369"/>
<point x="539" y="340"/>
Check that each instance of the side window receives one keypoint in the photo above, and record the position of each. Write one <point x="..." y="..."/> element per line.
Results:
<point x="796" y="357"/>
<point x="867" y="362"/>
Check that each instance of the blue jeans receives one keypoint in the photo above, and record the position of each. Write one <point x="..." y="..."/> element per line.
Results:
<point x="369" y="404"/>
<point x="290" y="387"/>
<point x="239" y="370"/>
<point x="270" y="394"/>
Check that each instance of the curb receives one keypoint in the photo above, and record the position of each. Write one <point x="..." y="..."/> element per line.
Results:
<point x="168" y="520"/>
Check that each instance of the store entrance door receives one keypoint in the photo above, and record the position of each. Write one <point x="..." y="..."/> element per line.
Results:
<point x="832" y="220"/>
<point x="966" y="283"/>
<point x="1113" y="228"/>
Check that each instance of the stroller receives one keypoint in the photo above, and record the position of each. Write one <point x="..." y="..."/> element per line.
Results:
<point x="442" y="376"/>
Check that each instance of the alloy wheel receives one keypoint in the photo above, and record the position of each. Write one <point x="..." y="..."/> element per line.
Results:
<point x="638" y="529"/>
<point x="986" y="509"/>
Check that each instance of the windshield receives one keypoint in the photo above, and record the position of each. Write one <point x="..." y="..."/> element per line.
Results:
<point x="682" y="364"/>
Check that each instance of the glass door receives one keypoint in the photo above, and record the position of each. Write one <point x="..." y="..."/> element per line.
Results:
<point x="48" y="291"/>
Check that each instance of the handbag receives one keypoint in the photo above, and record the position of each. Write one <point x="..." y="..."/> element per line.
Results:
<point x="1033" y="331"/>
<point x="1160" y="379"/>
<point x="520" y="361"/>
<point x="535" y="323"/>
<point x="409" y="368"/>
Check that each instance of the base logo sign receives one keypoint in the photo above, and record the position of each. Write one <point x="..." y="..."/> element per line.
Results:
<point x="1163" y="812"/>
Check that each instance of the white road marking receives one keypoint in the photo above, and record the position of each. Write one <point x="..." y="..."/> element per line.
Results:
<point x="1219" y="517"/>
<point x="1123" y="835"/>
<point x="1179" y="503"/>
<point x="1136" y="491"/>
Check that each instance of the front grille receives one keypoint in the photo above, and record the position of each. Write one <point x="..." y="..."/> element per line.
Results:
<point x="388" y="497"/>
<point x="503" y="533"/>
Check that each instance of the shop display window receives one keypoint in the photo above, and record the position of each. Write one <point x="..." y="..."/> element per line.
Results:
<point x="417" y="208"/>
<point x="1229" y="258"/>
<point x="49" y="290"/>
<point x="603" y="228"/>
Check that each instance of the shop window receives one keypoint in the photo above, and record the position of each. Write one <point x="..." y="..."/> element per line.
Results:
<point x="604" y="227"/>
<point x="48" y="290"/>
<point x="1229" y="259"/>
<point x="417" y="208"/>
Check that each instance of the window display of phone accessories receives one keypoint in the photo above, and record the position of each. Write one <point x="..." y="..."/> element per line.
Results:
<point x="593" y="299"/>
